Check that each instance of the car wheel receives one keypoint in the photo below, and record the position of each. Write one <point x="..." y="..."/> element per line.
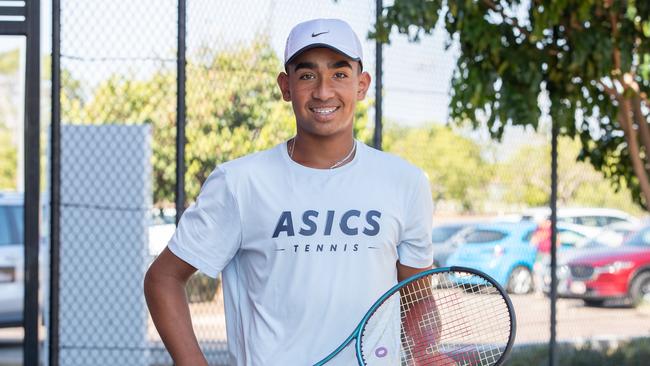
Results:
<point x="640" y="289"/>
<point x="594" y="303"/>
<point x="520" y="281"/>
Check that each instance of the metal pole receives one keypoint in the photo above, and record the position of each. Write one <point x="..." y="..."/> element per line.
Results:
<point x="55" y="186"/>
<point x="378" y="81"/>
<point x="552" y="342"/>
<point x="32" y="184"/>
<point x="180" y="111"/>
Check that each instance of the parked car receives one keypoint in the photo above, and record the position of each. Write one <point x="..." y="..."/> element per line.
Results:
<point x="568" y="236"/>
<point x="160" y="230"/>
<point x="446" y="238"/>
<point x="587" y="216"/>
<point x="501" y="250"/>
<point x="11" y="259"/>
<point x="200" y="288"/>
<point x="611" y="236"/>
<point x="606" y="273"/>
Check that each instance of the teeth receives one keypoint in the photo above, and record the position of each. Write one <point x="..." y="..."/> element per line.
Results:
<point x="324" y="110"/>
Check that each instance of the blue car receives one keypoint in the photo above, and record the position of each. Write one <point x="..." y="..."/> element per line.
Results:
<point x="503" y="251"/>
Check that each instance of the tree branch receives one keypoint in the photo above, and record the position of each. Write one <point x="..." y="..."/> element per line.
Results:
<point x="625" y="119"/>
<point x="613" y="20"/>
<point x="644" y="130"/>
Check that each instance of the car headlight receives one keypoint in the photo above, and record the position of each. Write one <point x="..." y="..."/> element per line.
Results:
<point x="614" y="267"/>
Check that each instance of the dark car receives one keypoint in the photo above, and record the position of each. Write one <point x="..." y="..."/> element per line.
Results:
<point x="621" y="273"/>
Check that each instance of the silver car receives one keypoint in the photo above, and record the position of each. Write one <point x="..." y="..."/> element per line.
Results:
<point x="11" y="259"/>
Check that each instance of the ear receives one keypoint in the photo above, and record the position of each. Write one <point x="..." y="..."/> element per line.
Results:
<point x="283" y="83"/>
<point x="364" y="84"/>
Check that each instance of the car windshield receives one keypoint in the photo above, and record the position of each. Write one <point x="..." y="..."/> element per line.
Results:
<point x="11" y="225"/>
<point x="606" y="238"/>
<point x="483" y="236"/>
<point x="444" y="233"/>
<point x="640" y="239"/>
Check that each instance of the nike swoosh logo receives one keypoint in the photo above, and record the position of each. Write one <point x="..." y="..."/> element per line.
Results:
<point x="318" y="34"/>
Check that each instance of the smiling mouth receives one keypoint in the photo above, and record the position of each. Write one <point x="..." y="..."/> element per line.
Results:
<point x="324" y="110"/>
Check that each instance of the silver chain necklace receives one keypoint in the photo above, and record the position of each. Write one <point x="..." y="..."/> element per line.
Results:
<point x="338" y="163"/>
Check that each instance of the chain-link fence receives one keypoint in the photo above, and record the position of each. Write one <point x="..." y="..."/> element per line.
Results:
<point x="119" y="113"/>
<point x="118" y="110"/>
<point x="119" y="73"/>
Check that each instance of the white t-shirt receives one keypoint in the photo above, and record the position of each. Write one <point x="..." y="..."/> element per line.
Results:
<point x="304" y="252"/>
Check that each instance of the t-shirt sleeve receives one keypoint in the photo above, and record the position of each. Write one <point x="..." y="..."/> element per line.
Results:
<point x="415" y="248"/>
<point x="209" y="232"/>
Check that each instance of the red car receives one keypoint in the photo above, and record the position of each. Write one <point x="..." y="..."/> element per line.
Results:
<point x="610" y="273"/>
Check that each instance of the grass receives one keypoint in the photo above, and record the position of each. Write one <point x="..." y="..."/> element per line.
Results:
<point x="628" y="353"/>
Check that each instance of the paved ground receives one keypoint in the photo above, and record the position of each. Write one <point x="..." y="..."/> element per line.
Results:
<point x="576" y="324"/>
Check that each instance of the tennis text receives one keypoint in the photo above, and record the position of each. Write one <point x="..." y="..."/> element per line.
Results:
<point x="325" y="248"/>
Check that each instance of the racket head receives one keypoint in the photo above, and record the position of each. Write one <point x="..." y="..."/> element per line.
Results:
<point x="444" y="316"/>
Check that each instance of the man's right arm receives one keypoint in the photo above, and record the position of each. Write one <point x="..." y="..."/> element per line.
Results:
<point x="164" y="289"/>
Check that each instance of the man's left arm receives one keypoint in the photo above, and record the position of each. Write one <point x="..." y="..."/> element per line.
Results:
<point x="404" y="272"/>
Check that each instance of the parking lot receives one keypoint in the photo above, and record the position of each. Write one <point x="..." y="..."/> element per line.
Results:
<point x="576" y="324"/>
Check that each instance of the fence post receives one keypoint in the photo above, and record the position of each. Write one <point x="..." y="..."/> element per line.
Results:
<point x="552" y="342"/>
<point x="32" y="183"/>
<point x="180" y="111"/>
<point x="378" y="81"/>
<point x="55" y="187"/>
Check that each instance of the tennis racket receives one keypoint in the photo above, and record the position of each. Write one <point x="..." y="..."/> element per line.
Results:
<point x="445" y="316"/>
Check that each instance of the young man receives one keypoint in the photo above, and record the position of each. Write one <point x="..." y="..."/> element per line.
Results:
<point x="307" y="235"/>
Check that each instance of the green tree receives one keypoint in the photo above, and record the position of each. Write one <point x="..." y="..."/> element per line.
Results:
<point x="591" y="58"/>
<point x="8" y="160"/>
<point x="234" y="108"/>
<point x="525" y="177"/>
<point x="9" y="66"/>
<point x="454" y="164"/>
<point x="9" y="61"/>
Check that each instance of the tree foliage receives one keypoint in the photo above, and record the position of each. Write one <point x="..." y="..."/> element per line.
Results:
<point x="591" y="58"/>
<point x="9" y="61"/>
<point x="454" y="164"/>
<point x="525" y="178"/>
<point x="8" y="160"/>
<point x="234" y="108"/>
<point x="9" y="66"/>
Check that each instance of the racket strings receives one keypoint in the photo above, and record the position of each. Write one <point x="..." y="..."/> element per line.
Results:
<point x="442" y="320"/>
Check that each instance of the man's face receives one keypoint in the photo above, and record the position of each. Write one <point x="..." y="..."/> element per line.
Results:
<point x="323" y="87"/>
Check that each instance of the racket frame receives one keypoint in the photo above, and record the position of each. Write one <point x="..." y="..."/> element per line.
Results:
<point x="356" y="334"/>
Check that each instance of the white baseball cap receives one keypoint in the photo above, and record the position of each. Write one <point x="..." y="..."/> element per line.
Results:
<point x="334" y="34"/>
